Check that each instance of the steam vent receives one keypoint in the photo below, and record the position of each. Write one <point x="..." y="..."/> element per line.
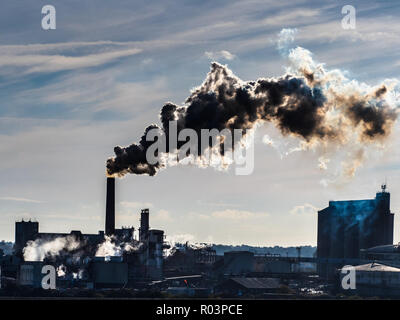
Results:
<point x="346" y="227"/>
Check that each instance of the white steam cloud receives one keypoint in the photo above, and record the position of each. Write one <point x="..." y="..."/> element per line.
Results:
<point x="111" y="248"/>
<point x="39" y="249"/>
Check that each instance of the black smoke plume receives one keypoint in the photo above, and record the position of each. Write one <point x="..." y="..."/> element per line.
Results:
<point x="298" y="105"/>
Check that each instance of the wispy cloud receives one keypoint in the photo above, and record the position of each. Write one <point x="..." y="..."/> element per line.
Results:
<point x="98" y="91"/>
<point x="20" y="199"/>
<point x="52" y="63"/>
<point x="292" y="17"/>
<point x="162" y="216"/>
<point x="135" y="205"/>
<point x="223" y="54"/>
<point x="180" y="238"/>
<point x="305" y="209"/>
<point x="238" y="214"/>
<point x="33" y="48"/>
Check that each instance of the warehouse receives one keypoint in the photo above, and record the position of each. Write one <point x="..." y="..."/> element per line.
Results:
<point x="240" y="286"/>
<point x="376" y="279"/>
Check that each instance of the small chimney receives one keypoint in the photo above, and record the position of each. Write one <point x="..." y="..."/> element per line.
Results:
<point x="110" y="207"/>
<point x="144" y="224"/>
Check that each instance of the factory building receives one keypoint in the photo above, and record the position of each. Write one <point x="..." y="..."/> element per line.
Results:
<point x="272" y="265"/>
<point x="241" y="286"/>
<point x="389" y="253"/>
<point x="187" y="260"/>
<point x="238" y="262"/>
<point x="137" y="260"/>
<point x="30" y="274"/>
<point x="375" y="279"/>
<point x="26" y="231"/>
<point x="109" y="272"/>
<point x="346" y="227"/>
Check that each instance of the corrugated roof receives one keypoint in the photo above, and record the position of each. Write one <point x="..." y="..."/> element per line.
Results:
<point x="389" y="248"/>
<point x="376" y="267"/>
<point x="258" y="283"/>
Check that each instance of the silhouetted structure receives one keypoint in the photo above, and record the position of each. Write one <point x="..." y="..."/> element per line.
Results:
<point x="345" y="227"/>
<point x="110" y="207"/>
<point x="24" y="232"/>
<point x="144" y="225"/>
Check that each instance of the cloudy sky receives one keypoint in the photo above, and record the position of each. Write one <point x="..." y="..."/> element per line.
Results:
<point x="69" y="95"/>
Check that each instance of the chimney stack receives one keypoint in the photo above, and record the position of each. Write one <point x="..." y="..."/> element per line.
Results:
<point x="110" y="207"/>
<point x="144" y="224"/>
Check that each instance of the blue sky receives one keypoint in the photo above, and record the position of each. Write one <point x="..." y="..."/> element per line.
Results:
<point x="69" y="95"/>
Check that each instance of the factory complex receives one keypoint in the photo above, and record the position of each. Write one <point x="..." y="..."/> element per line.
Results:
<point x="357" y="233"/>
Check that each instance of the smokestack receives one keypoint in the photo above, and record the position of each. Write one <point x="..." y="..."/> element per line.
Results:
<point x="144" y="224"/>
<point x="110" y="207"/>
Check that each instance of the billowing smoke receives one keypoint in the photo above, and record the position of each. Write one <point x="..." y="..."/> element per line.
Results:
<point x="111" y="247"/>
<point x="318" y="106"/>
<point x="182" y="247"/>
<point x="74" y="251"/>
<point x="40" y="249"/>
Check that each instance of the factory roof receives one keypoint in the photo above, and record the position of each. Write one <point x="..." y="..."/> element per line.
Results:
<point x="185" y="277"/>
<point x="258" y="283"/>
<point x="376" y="267"/>
<point x="384" y="249"/>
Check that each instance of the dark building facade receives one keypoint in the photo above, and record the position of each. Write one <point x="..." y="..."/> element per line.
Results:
<point x="346" y="227"/>
<point x="24" y="232"/>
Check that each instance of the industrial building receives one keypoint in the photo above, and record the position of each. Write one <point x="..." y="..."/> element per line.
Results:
<point x="346" y="227"/>
<point x="273" y="264"/>
<point x="139" y="260"/>
<point x="186" y="259"/>
<point x="240" y="286"/>
<point x="238" y="262"/>
<point x="355" y="232"/>
<point x="376" y="279"/>
<point x="30" y="274"/>
<point x="388" y="253"/>
<point x="110" y="273"/>
<point x="26" y="231"/>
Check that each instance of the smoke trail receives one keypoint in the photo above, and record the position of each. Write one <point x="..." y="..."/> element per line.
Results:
<point x="318" y="106"/>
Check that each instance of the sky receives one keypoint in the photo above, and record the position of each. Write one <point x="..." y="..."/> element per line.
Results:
<point x="69" y="95"/>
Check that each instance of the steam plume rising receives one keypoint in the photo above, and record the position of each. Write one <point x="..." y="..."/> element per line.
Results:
<point x="111" y="247"/>
<point x="319" y="107"/>
<point x="41" y="248"/>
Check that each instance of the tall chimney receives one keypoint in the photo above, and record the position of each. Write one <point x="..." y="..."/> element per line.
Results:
<point x="110" y="207"/>
<point x="144" y="224"/>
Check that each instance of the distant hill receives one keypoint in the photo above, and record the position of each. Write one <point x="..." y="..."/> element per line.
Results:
<point x="306" y="251"/>
<point x="6" y="247"/>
